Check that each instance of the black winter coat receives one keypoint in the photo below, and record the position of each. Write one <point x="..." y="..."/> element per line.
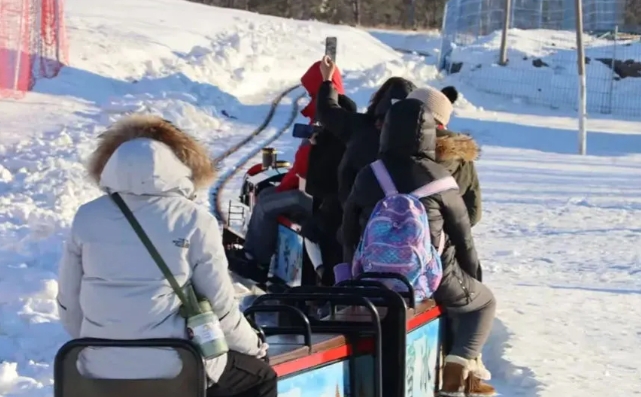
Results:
<point x="324" y="158"/>
<point x="356" y="130"/>
<point x="408" y="143"/>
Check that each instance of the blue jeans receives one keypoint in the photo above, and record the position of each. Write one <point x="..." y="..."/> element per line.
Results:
<point x="262" y="231"/>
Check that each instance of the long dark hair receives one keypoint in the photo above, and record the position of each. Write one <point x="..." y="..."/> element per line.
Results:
<point x="380" y="93"/>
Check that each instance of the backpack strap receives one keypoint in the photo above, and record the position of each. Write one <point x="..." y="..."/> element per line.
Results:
<point x="441" y="244"/>
<point x="435" y="187"/>
<point x="384" y="178"/>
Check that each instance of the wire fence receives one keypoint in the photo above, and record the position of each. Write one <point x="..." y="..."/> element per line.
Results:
<point x="541" y="52"/>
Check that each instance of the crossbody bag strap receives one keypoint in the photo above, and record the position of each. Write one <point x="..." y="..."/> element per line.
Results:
<point x="150" y="247"/>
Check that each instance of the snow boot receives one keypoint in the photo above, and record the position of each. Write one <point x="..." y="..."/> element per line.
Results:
<point x="475" y="387"/>
<point x="481" y="372"/>
<point x="455" y="373"/>
<point x="460" y="381"/>
<point x="243" y="263"/>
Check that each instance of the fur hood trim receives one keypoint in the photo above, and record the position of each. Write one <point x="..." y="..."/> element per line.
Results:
<point x="456" y="147"/>
<point x="186" y="148"/>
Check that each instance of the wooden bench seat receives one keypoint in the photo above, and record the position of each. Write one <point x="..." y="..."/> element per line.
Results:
<point x="361" y="314"/>
<point x="284" y="348"/>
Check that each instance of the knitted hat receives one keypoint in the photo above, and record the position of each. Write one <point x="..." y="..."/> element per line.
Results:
<point x="437" y="102"/>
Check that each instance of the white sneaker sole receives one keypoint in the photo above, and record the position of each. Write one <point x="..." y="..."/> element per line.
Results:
<point x="450" y="394"/>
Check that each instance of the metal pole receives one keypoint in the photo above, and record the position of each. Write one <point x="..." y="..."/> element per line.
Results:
<point x="540" y="14"/>
<point x="580" y="52"/>
<point x="479" y="20"/>
<point x="58" y="14"/>
<point x="412" y="14"/>
<point x="18" y="52"/>
<point x="444" y="35"/>
<point x="507" y="12"/>
<point x="614" y="59"/>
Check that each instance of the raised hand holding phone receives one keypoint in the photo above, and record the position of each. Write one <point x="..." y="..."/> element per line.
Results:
<point x="327" y="68"/>
<point x="330" y="47"/>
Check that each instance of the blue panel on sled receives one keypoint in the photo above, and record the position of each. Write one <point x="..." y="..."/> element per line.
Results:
<point x="327" y="381"/>
<point x="287" y="262"/>
<point x="421" y="360"/>
<point x="364" y="376"/>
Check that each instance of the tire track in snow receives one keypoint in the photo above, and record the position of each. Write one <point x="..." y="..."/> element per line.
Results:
<point x="231" y="171"/>
<point x="216" y="190"/>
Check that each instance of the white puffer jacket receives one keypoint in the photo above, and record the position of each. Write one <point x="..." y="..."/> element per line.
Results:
<point x="110" y="287"/>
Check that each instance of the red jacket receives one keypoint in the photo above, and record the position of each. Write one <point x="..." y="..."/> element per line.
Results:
<point x="301" y="161"/>
<point x="311" y="81"/>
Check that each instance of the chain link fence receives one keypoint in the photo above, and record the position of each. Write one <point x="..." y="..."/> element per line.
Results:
<point x="541" y="52"/>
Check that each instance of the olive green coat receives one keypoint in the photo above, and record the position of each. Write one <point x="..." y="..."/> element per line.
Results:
<point x="457" y="152"/>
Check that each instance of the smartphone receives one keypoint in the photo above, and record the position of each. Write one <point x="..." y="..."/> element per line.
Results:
<point x="303" y="131"/>
<point x="330" y="47"/>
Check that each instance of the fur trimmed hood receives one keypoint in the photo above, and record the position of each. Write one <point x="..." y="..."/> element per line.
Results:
<point x="199" y="168"/>
<point x="451" y="146"/>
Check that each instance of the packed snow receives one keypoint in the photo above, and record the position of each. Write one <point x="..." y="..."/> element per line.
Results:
<point x="424" y="43"/>
<point x="560" y="238"/>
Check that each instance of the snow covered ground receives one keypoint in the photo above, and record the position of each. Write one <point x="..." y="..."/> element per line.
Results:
<point x="560" y="237"/>
<point x="423" y="42"/>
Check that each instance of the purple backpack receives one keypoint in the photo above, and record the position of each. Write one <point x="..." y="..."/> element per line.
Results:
<point x="397" y="237"/>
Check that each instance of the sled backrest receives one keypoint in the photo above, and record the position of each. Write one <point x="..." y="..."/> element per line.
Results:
<point x="69" y="382"/>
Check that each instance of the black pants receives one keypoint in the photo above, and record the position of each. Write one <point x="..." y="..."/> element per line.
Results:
<point x="245" y="376"/>
<point x="329" y="216"/>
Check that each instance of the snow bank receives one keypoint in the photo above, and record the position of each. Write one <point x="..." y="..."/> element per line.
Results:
<point x="424" y="42"/>
<point x="237" y="51"/>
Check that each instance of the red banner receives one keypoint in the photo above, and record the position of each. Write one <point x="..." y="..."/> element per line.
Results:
<point x="33" y="43"/>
